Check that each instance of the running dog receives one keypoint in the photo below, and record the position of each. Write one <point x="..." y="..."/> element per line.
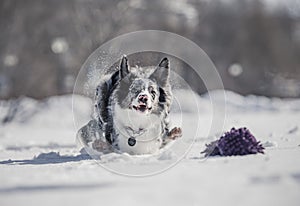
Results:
<point x="132" y="111"/>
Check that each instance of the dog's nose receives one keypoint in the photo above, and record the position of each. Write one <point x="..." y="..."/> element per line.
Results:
<point x="143" y="98"/>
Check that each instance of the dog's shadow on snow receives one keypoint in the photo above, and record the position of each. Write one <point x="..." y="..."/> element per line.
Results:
<point x="48" y="158"/>
<point x="55" y="187"/>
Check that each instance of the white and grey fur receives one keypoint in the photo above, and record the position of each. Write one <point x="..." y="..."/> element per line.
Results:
<point x="132" y="109"/>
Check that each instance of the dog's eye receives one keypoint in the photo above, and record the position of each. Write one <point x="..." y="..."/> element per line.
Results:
<point x="134" y="91"/>
<point x="152" y="91"/>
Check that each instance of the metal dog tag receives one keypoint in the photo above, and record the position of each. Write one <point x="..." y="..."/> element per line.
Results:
<point x="131" y="141"/>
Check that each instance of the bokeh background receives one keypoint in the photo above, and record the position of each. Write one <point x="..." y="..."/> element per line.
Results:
<point x="255" y="44"/>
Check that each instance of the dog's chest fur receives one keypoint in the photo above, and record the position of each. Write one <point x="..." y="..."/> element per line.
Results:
<point x="146" y="130"/>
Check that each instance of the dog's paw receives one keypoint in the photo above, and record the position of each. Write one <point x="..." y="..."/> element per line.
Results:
<point x="175" y="133"/>
<point x="101" y="146"/>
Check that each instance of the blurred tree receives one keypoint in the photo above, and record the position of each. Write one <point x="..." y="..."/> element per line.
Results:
<point x="44" y="43"/>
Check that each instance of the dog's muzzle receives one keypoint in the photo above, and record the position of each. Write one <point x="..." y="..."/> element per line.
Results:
<point x="142" y="103"/>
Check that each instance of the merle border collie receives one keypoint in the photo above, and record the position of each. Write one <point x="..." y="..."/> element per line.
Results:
<point x="131" y="111"/>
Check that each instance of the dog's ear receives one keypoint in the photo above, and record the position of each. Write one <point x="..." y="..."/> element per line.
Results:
<point x="162" y="72"/>
<point x="124" y="67"/>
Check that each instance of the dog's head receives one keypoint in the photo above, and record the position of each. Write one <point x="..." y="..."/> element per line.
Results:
<point x="141" y="91"/>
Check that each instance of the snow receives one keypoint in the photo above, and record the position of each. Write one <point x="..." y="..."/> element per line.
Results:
<point x="40" y="163"/>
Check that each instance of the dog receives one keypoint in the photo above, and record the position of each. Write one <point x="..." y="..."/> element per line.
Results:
<point x="132" y="111"/>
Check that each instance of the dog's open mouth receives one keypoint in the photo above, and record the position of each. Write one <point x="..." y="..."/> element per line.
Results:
<point x="141" y="107"/>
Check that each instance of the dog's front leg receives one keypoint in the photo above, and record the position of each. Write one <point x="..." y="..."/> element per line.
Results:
<point x="175" y="133"/>
<point x="92" y="136"/>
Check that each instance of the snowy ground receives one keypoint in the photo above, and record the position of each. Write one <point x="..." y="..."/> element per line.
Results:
<point x="40" y="163"/>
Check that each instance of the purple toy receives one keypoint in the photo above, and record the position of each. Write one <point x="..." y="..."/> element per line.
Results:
<point x="235" y="142"/>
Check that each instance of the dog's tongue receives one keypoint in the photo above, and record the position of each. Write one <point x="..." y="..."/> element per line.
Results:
<point x="142" y="107"/>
